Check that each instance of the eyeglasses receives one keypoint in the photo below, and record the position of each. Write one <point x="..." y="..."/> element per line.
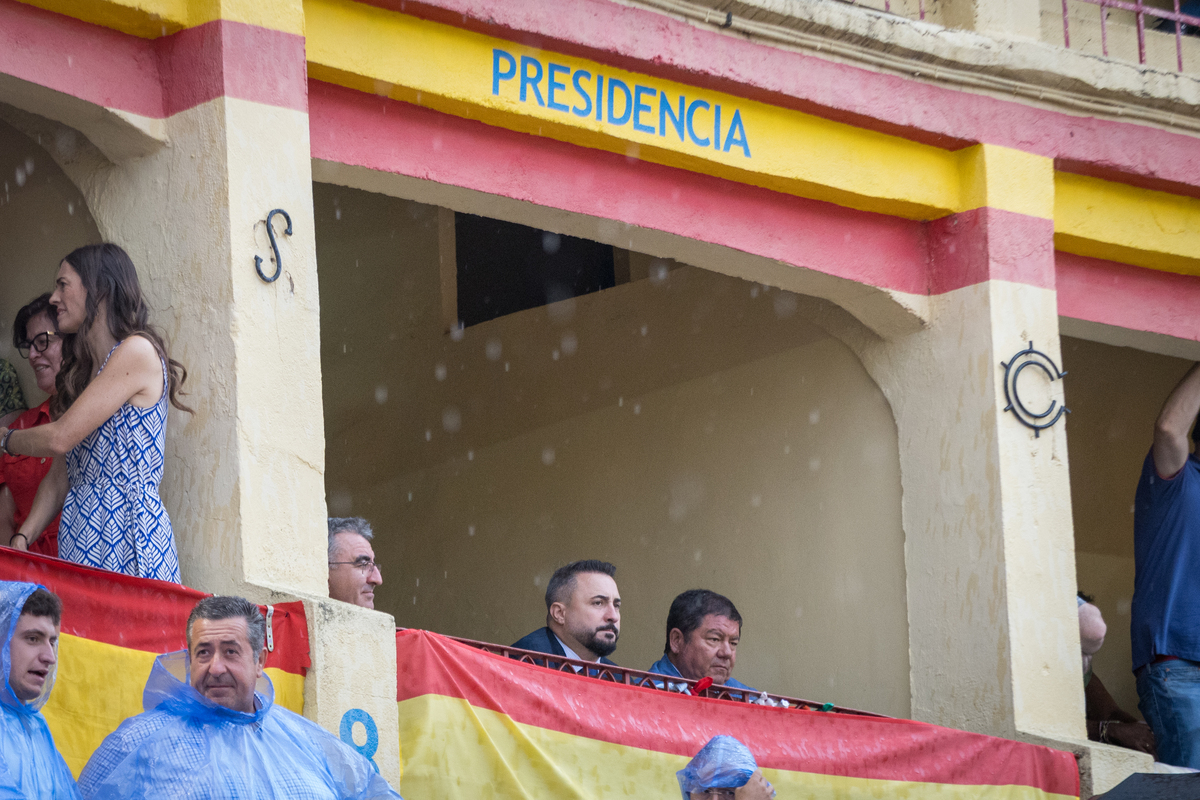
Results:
<point x="366" y="565"/>
<point x="37" y="344"/>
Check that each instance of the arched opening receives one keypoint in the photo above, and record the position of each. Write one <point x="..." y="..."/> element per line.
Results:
<point x="43" y="217"/>
<point x="695" y="429"/>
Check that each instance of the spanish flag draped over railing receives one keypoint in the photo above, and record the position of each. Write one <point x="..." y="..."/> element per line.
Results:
<point x="474" y="724"/>
<point x="113" y="627"/>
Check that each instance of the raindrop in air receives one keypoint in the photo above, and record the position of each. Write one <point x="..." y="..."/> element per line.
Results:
<point x="451" y="420"/>
<point x="569" y="343"/>
<point x="551" y="242"/>
<point x="439" y="372"/>
<point x="381" y="394"/>
<point x="548" y="456"/>
<point x="785" y="305"/>
<point x="814" y="464"/>
<point x="493" y="349"/>
<point x="814" y="416"/>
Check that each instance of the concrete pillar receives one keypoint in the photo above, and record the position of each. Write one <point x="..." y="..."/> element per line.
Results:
<point x="1005" y="19"/>
<point x="244" y="479"/>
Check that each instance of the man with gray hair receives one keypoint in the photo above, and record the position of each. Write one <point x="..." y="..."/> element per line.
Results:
<point x="211" y="728"/>
<point x="353" y="573"/>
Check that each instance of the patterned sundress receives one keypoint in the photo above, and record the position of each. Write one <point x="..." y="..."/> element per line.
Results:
<point x="113" y="517"/>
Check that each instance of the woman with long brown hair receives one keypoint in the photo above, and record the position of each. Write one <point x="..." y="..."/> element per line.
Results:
<point x="110" y="411"/>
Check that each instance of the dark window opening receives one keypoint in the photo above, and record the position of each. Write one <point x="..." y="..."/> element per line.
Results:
<point x="504" y="267"/>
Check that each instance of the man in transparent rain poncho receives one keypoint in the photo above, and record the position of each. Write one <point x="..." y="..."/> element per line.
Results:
<point x="211" y="730"/>
<point x="30" y="766"/>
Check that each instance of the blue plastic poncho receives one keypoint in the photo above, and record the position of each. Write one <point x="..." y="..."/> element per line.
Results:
<point x="185" y="746"/>
<point x="723" y="763"/>
<point x="30" y="765"/>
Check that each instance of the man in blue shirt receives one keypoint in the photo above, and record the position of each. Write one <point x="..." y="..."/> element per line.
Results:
<point x="1165" y="625"/>
<point x="703" y="631"/>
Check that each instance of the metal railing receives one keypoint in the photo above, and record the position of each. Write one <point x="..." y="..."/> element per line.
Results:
<point x="649" y="680"/>
<point x="1141" y="11"/>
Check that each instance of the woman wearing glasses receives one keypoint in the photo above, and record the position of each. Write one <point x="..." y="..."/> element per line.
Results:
<point x="36" y="338"/>
<point x="110" y="415"/>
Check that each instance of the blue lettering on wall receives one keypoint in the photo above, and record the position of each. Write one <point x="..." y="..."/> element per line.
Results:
<point x="691" y="122"/>
<point x="531" y="79"/>
<point x="553" y="86"/>
<point x="346" y="733"/>
<point x="676" y="115"/>
<point x="613" y="85"/>
<point x="640" y="106"/>
<point x="577" y="79"/>
<point x="499" y="75"/>
<point x="737" y="135"/>
<point x="665" y="111"/>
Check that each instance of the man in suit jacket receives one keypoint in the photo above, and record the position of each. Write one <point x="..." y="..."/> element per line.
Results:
<point x="583" y="613"/>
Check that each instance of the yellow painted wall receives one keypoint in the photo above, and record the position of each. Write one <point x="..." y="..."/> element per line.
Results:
<point x="42" y="218"/>
<point x="1115" y="394"/>
<point x="701" y="433"/>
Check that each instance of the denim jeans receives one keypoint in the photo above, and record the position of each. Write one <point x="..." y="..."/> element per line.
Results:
<point x="1169" y="699"/>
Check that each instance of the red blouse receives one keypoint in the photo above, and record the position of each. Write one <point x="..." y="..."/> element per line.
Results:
<point x="23" y="475"/>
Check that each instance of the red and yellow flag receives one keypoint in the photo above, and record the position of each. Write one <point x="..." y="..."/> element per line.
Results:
<point x="112" y="629"/>
<point x="475" y="724"/>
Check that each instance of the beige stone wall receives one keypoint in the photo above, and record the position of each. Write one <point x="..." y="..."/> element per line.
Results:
<point x="696" y="431"/>
<point x="42" y="218"/>
<point x="1114" y="394"/>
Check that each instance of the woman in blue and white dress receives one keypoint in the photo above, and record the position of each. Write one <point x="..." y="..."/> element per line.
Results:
<point x="110" y="416"/>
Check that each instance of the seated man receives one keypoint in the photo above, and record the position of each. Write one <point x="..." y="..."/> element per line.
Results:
<point x="30" y="765"/>
<point x="353" y="573"/>
<point x="211" y="730"/>
<point x="703" y="631"/>
<point x="583" y="613"/>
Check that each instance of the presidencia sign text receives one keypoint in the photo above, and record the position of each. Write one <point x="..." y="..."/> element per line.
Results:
<point x="648" y="109"/>
<point x="595" y="105"/>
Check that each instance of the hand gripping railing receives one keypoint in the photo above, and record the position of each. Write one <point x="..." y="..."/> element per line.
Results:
<point x="649" y="680"/>
<point x="1141" y="11"/>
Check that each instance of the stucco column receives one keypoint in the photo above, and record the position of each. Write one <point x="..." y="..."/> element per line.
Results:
<point x="244" y="478"/>
<point x="994" y="642"/>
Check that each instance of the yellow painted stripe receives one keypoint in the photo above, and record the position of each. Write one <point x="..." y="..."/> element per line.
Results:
<point x="1007" y="179"/>
<point x="1103" y="219"/>
<point x="451" y="70"/>
<point x="100" y="685"/>
<point x="150" y="19"/>
<point x="453" y="749"/>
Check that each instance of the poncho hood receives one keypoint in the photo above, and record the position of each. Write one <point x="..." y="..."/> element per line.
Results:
<point x="169" y="688"/>
<point x="12" y="599"/>
<point x="723" y="763"/>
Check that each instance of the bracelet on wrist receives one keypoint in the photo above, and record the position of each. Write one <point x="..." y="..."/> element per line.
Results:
<point x="15" y="535"/>
<point x="4" y="442"/>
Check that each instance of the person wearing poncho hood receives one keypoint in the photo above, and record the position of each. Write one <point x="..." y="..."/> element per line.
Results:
<point x="30" y="765"/>
<point x="211" y="730"/>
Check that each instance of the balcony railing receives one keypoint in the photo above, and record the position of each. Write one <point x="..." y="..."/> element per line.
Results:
<point x="662" y="683"/>
<point x="1140" y="11"/>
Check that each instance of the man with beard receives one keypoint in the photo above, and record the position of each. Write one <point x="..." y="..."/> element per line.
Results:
<point x="583" y="613"/>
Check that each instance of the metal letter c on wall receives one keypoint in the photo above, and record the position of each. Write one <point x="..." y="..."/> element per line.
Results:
<point x="274" y="246"/>
<point x="1038" y="421"/>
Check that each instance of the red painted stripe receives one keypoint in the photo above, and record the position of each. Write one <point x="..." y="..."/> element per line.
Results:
<point x="232" y="59"/>
<point x="990" y="244"/>
<point x="139" y="613"/>
<point x="95" y="64"/>
<point x="656" y="44"/>
<point x="354" y="128"/>
<point x="153" y="78"/>
<point x="801" y="741"/>
<point x="1107" y="292"/>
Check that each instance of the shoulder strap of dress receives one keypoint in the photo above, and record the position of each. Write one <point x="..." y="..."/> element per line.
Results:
<point x="107" y="357"/>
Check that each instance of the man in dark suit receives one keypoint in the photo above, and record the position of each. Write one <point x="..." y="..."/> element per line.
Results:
<point x="583" y="613"/>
